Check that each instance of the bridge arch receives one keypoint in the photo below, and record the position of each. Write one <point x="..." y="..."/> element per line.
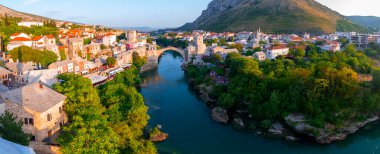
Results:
<point x="182" y="52"/>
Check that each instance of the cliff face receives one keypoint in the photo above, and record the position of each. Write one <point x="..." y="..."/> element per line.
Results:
<point x="275" y="16"/>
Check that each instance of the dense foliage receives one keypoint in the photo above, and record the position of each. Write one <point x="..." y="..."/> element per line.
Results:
<point x="11" y="129"/>
<point x="111" y="61"/>
<point x="138" y="61"/>
<point x="110" y="120"/>
<point x="175" y="42"/>
<point x="323" y="86"/>
<point x="27" y="54"/>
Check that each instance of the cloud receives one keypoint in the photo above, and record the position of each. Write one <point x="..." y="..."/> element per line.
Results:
<point x="29" y="2"/>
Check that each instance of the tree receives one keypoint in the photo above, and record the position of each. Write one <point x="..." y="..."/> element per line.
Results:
<point x="27" y="54"/>
<point x="111" y="61"/>
<point x="376" y="80"/>
<point x="102" y="47"/>
<point x="138" y="61"/>
<point x="87" y="41"/>
<point x="88" y="130"/>
<point x="11" y="129"/>
<point x="62" y="54"/>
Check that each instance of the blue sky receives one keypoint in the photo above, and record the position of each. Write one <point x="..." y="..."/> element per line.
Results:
<point x="152" y="13"/>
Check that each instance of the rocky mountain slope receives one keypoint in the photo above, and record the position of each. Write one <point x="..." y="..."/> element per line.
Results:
<point x="274" y="16"/>
<point x="25" y="16"/>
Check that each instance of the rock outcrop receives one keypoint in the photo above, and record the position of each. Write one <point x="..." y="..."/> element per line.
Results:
<point x="220" y="115"/>
<point x="327" y="134"/>
<point x="276" y="129"/>
<point x="238" y="123"/>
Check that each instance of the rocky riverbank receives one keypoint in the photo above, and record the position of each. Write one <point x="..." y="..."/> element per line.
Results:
<point x="292" y="128"/>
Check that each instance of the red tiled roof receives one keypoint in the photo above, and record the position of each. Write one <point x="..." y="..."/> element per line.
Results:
<point x="15" y="34"/>
<point x="279" y="47"/>
<point x="109" y="34"/>
<point x="37" y="38"/>
<point x="21" y="39"/>
<point x="50" y="36"/>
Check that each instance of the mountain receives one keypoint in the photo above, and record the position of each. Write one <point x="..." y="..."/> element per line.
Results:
<point x="25" y="16"/>
<point x="273" y="16"/>
<point x="370" y="21"/>
<point x="140" y="29"/>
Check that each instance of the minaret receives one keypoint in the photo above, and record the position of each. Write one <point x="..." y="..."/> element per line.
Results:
<point x="258" y="37"/>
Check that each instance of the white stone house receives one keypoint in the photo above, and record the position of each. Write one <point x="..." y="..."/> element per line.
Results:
<point x="259" y="56"/>
<point x="30" y="23"/>
<point x="38" y="41"/>
<point x="275" y="51"/>
<point x="109" y="39"/>
<point x="19" y="35"/>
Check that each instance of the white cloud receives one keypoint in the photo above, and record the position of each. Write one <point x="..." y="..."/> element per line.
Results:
<point x="29" y="2"/>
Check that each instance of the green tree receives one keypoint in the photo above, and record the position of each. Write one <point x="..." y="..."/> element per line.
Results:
<point x="88" y="130"/>
<point x="62" y="54"/>
<point x="111" y="61"/>
<point x="87" y="41"/>
<point x="11" y="129"/>
<point x="138" y="61"/>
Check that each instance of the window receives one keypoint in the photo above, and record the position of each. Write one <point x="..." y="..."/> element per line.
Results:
<point x="26" y="121"/>
<point x="33" y="138"/>
<point x="60" y="109"/>
<point x="49" y="117"/>
<point x="31" y="121"/>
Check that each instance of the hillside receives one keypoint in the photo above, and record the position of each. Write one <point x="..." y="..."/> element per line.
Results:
<point x="274" y="16"/>
<point x="370" y="21"/>
<point x="25" y="16"/>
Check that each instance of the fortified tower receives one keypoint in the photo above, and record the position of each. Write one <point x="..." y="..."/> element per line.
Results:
<point x="131" y="36"/>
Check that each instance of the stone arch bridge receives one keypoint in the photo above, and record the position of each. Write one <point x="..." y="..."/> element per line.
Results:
<point x="154" y="58"/>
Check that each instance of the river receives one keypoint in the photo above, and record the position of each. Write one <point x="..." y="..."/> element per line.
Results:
<point x="174" y="105"/>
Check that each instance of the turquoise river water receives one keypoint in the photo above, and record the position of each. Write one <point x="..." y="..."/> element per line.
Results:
<point x="174" y="105"/>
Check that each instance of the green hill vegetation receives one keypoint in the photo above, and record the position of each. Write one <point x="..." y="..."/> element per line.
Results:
<point x="323" y="86"/>
<point x="370" y="21"/>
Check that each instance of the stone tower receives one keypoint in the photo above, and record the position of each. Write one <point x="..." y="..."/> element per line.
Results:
<point x="201" y="47"/>
<point x="131" y="36"/>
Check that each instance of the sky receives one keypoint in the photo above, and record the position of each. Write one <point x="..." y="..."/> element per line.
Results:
<point x="150" y="13"/>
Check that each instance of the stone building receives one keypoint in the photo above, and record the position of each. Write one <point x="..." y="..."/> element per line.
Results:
<point x="198" y="47"/>
<point x="131" y="36"/>
<point x="38" y="107"/>
<point x="19" y="71"/>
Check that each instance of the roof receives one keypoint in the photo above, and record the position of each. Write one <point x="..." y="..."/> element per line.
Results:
<point x="50" y="36"/>
<point x="110" y="34"/>
<point x="18" y="67"/>
<point x="14" y="148"/>
<point x="278" y="47"/>
<point x="46" y="76"/>
<point x="260" y="53"/>
<point x="37" y="38"/>
<point x="61" y="63"/>
<point x="4" y="71"/>
<point x="97" y="78"/>
<point x="21" y="39"/>
<point x="16" y="34"/>
<point x="35" y="96"/>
